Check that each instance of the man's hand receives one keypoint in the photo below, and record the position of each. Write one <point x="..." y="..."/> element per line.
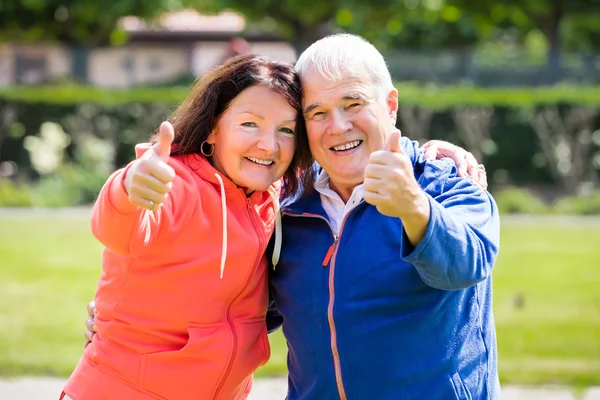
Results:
<point x="466" y="164"/>
<point x="149" y="179"/>
<point x="89" y="323"/>
<point x="390" y="185"/>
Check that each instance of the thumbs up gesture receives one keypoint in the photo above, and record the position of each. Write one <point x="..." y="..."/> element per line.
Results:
<point x="390" y="183"/>
<point x="149" y="178"/>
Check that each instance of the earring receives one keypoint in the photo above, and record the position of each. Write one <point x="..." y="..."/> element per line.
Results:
<point x="207" y="153"/>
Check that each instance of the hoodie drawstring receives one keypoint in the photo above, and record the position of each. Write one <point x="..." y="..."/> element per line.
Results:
<point x="224" y="213"/>
<point x="276" y="208"/>
<point x="278" y="234"/>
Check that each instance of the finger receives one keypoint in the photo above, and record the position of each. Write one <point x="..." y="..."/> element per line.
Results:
<point x="428" y="144"/>
<point x="431" y="152"/>
<point x="89" y="336"/>
<point x="461" y="163"/>
<point x="86" y="344"/>
<point x="149" y="181"/>
<point x="161" y="171"/>
<point x="472" y="165"/>
<point x="393" y="143"/>
<point x="146" y="198"/>
<point x="372" y="198"/>
<point x="91" y="308"/>
<point x="90" y="325"/>
<point x="372" y="186"/>
<point x="377" y="171"/>
<point x="482" y="178"/>
<point x="166" y="135"/>
<point x="384" y="157"/>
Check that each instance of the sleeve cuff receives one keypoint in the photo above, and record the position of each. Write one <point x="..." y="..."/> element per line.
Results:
<point x="117" y="195"/>
<point x="412" y="255"/>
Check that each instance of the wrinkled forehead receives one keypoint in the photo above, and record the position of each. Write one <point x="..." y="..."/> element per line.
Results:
<point x="323" y="87"/>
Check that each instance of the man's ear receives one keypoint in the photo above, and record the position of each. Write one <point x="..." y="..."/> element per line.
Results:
<point x="392" y="104"/>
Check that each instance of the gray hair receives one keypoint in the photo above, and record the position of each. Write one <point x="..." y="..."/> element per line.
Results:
<point x="336" y="56"/>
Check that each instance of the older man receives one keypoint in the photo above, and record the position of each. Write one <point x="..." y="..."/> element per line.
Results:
<point x="384" y="282"/>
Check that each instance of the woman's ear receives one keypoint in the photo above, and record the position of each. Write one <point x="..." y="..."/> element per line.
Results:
<point x="212" y="137"/>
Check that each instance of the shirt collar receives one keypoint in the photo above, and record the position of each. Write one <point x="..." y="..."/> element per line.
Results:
<point x="322" y="186"/>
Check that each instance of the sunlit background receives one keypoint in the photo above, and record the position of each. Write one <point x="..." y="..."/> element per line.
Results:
<point x="517" y="83"/>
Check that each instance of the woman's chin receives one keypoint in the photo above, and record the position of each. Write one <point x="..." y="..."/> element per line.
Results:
<point x="254" y="184"/>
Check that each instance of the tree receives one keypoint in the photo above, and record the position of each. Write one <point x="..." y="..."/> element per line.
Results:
<point x="74" y="22"/>
<point x="412" y="26"/>
<point x="546" y="16"/>
<point x="300" y="21"/>
<point x="566" y="138"/>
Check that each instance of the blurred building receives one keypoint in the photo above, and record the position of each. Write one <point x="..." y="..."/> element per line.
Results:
<point x="178" y="45"/>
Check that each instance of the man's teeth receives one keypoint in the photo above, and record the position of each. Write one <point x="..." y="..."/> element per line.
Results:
<point x="259" y="161"/>
<point x="347" y="146"/>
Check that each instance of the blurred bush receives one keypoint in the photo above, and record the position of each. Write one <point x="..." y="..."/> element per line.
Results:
<point x="581" y="205"/>
<point x="519" y="201"/>
<point x="101" y="126"/>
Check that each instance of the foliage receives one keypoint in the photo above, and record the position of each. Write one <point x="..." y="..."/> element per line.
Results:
<point x="431" y="96"/>
<point x="519" y="201"/>
<point x="103" y="126"/>
<point x="69" y="21"/>
<point x="580" y="205"/>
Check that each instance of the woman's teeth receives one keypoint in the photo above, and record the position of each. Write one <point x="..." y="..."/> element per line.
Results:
<point x="259" y="161"/>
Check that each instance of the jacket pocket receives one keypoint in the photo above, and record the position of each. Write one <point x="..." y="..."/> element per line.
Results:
<point x="192" y="372"/>
<point x="252" y="352"/>
<point x="460" y="390"/>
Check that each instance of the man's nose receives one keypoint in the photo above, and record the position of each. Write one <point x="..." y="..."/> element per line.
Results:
<point x="339" y="123"/>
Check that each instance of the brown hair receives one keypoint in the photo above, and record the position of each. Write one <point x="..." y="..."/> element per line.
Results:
<point x="211" y="94"/>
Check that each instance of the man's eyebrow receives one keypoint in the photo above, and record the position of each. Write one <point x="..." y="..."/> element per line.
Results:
<point x="311" y="107"/>
<point x="354" y="96"/>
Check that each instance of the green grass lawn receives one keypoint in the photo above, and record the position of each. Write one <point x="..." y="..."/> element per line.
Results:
<point x="49" y="268"/>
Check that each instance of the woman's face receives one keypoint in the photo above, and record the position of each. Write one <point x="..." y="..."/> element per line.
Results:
<point x="254" y="138"/>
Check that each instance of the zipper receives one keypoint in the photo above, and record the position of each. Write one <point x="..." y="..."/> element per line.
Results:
<point x="335" y="237"/>
<point x="330" y="251"/>
<point x="221" y="385"/>
<point x="330" y="257"/>
<point x="337" y="366"/>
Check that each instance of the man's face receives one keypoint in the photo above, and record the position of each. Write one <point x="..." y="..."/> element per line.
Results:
<point x="347" y="119"/>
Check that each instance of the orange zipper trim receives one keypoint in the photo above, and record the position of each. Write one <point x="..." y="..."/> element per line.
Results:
<point x="330" y="257"/>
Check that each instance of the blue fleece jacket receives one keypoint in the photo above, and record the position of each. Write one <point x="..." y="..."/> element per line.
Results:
<point x="367" y="316"/>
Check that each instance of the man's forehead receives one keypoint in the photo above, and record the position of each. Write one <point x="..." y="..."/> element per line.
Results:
<point x="320" y="89"/>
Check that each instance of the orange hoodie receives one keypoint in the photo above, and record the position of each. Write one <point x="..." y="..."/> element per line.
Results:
<point x="181" y="301"/>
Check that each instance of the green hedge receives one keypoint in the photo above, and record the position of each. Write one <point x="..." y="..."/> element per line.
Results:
<point x="430" y="96"/>
<point x="128" y="116"/>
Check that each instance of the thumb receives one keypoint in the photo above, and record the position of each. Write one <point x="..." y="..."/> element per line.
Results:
<point x="393" y="143"/>
<point x="162" y="147"/>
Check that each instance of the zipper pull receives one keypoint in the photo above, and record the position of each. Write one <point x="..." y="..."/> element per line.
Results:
<point x="330" y="251"/>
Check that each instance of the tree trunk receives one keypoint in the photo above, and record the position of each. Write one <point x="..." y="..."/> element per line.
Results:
<point x="304" y="34"/>
<point x="415" y="122"/>
<point x="550" y="26"/>
<point x="473" y="125"/>
<point x="566" y="143"/>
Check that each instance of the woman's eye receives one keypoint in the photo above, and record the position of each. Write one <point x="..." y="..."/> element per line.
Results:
<point x="249" y="124"/>
<point x="287" y="130"/>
